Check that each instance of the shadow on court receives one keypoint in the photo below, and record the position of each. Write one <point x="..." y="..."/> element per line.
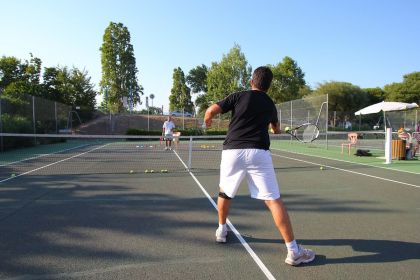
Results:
<point x="48" y="223"/>
<point x="376" y="251"/>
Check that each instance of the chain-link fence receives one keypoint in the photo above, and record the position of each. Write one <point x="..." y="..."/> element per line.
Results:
<point x="396" y="119"/>
<point x="307" y="110"/>
<point x="23" y="113"/>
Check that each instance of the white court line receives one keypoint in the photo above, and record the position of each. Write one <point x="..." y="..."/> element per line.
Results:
<point x="257" y="260"/>
<point x="42" y="167"/>
<point x="342" y="160"/>
<point x="350" y="171"/>
<point x="43" y="155"/>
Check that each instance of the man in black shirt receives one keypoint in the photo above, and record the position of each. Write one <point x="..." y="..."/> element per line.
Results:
<point x="246" y="154"/>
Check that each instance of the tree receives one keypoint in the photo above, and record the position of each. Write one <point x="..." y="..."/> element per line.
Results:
<point x="231" y="74"/>
<point x="180" y="97"/>
<point x="344" y="98"/>
<point x="69" y="86"/>
<point x="375" y="95"/>
<point x="407" y="91"/>
<point x="83" y="90"/>
<point x="288" y="78"/>
<point x="21" y="77"/>
<point x="119" y="71"/>
<point x="197" y="79"/>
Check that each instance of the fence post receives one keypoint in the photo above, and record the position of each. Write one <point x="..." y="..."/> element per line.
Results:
<point x="190" y="153"/>
<point x="279" y="113"/>
<point x="55" y="116"/>
<point x="1" y="125"/>
<point x="33" y="117"/>
<point x="326" y="125"/>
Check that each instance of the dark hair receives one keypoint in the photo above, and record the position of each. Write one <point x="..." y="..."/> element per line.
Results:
<point x="262" y="78"/>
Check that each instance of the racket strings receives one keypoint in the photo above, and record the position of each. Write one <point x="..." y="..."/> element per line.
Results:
<point x="309" y="133"/>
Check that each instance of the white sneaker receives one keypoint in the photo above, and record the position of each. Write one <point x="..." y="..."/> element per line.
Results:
<point x="221" y="235"/>
<point x="302" y="256"/>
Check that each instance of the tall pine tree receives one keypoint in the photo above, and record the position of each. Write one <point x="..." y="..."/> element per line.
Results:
<point x="119" y="71"/>
<point x="180" y="98"/>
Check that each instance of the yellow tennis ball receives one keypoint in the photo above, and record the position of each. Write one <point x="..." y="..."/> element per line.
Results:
<point x="286" y="128"/>
<point x="146" y="171"/>
<point x="152" y="171"/>
<point x="131" y="171"/>
<point x="322" y="167"/>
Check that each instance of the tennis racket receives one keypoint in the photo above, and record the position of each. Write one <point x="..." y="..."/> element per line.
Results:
<point x="305" y="133"/>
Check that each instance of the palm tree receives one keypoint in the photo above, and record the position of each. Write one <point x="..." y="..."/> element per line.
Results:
<point x="152" y="96"/>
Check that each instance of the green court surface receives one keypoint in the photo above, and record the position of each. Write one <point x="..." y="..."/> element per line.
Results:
<point x="334" y="152"/>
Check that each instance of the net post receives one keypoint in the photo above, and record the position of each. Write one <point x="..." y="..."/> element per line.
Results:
<point x="388" y="146"/>
<point x="190" y="152"/>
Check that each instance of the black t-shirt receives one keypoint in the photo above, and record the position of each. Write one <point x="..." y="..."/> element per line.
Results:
<point x="252" y="111"/>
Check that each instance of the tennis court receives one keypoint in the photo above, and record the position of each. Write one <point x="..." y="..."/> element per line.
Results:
<point x="85" y="208"/>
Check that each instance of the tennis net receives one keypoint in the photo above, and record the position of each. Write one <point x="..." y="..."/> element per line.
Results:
<point x="101" y="154"/>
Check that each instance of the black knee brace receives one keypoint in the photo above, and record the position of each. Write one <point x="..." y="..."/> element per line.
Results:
<point x="223" y="195"/>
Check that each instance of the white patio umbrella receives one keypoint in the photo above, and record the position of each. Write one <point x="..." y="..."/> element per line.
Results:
<point x="386" y="106"/>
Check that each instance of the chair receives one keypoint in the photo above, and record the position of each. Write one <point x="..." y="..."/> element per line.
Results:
<point x="351" y="141"/>
<point x="176" y="136"/>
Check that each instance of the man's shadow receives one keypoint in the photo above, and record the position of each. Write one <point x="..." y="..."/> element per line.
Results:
<point x="376" y="251"/>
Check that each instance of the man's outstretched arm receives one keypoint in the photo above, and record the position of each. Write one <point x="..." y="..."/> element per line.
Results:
<point x="211" y="112"/>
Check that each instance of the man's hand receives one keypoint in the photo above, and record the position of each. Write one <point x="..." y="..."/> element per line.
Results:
<point x="275" y="127"/>
<point x="211" y="112"/>
<point x="207" y="123"/>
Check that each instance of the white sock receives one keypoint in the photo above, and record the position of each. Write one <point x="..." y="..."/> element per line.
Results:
<point x="223" y="227"/>
<point x="292" y="246"/>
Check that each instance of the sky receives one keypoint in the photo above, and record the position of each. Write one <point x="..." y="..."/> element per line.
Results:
<point x="365" y="42"/>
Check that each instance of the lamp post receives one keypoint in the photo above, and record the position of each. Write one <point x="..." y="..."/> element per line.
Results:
<point x="148" y="116"/>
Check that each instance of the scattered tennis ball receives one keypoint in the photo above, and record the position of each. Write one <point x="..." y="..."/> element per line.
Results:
<point x="131" y="171"/>
<point x="321" y="168"/>
<point x="152" y="171"/>
<point x="286" y="128"/>
<point x="146" y="171"/>
<point x="13" y="175"/>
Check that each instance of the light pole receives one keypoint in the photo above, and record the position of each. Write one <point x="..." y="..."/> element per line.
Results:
<point x="148" y="115"/>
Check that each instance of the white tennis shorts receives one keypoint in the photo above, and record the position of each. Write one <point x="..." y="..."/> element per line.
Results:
<point x="256" y="165"/>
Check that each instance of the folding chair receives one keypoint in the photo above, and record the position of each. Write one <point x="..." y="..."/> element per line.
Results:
<point x="351" y="141"/>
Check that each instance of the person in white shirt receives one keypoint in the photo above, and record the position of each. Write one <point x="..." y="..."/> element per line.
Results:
<point x="167" y="132"/>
